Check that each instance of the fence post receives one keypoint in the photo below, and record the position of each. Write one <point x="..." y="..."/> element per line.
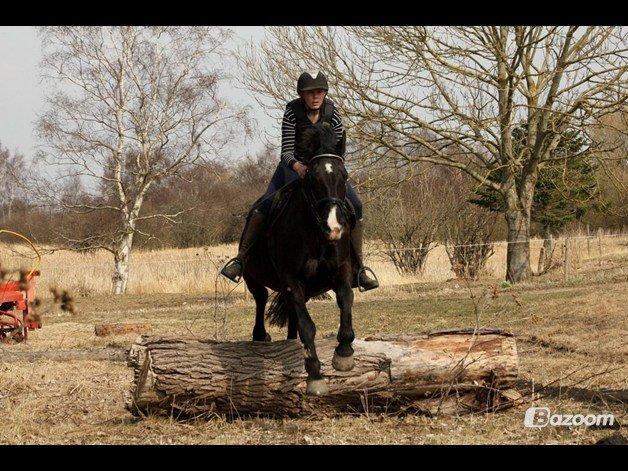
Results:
<point x="599" y="245"/>
<point x="566" y="259"/>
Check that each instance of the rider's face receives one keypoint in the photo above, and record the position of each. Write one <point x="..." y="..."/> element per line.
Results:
<point x="313" y="98"/>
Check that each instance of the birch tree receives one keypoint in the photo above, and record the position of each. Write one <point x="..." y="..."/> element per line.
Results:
<point x="452" y="96"/>
<point x="12" y="168"/>
<point x="127" y="107"/>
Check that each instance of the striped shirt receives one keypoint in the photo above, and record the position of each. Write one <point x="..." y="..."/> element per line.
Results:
<point x="288" y="126"/>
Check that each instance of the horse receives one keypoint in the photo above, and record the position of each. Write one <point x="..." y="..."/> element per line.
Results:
<point x="306" y="253"/>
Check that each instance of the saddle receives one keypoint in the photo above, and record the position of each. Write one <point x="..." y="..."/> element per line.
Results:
<point x="280" y="202"/>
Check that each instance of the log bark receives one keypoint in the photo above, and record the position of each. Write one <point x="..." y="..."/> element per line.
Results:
<point x="447" y="372"/>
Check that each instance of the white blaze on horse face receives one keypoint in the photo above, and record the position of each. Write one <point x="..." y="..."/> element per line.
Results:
<point x="328" y="168"/>
<point x="334" y="225"/>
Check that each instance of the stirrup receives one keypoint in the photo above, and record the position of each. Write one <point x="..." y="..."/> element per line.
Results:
<point x="235" y="279"/>
<point x="364" y="270"/>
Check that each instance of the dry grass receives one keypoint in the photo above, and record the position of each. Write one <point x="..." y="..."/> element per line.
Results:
<point x="571" y="330"/>
<point x="195" y="270"/>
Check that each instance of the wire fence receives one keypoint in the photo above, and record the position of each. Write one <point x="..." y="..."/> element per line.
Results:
<point x="366" y="252"/>
<point x="379" y="251"/>
<point x="498" y="242"/>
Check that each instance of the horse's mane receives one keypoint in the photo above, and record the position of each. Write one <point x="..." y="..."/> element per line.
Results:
<point x="319" y="139"/>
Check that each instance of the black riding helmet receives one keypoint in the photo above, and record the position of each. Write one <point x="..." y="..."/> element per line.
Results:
<point x="307" y="82"/>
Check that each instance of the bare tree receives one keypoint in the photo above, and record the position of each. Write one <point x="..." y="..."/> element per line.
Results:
<point x="613" y="178"/>
<point x="12" y="168"/>
<point x="127" y="107"/>
<point x="468" y="238"/>
<point x="458" y="92"/>
<point x="406" y="214"/>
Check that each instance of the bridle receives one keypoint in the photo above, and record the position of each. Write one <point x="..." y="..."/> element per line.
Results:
<point x="314" y="204"/>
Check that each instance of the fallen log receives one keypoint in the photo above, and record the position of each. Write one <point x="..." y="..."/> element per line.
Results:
<point x="448" y="372"/>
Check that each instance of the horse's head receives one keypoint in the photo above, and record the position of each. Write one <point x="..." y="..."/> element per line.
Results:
<point x="326" y="181"/>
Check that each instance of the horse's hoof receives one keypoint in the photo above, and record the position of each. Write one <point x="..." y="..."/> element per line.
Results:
<point x="317" y="387"/>
<point x="342" y="363"/>
<point x="265" y="339"/>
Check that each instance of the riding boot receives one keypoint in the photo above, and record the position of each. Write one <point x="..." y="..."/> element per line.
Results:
<point x="235" y="267"/>
<point x="363" y="281"/>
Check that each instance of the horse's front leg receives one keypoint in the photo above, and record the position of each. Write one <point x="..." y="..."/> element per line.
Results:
<point x="343" y="355"/>
<point x="260" y="294"/>
<point x="316" y="385"/>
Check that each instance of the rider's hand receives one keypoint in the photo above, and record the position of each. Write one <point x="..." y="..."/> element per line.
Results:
<point x="300" y="169"/>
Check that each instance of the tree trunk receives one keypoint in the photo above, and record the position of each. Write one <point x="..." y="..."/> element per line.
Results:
<point x="122" y="255"/>
<point x="518" y="255"/>
<point x="442" y="372"/>
<point x="518" y="221"/>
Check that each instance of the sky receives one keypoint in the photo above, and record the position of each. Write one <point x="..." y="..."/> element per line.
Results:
<point x="22" y="95"/>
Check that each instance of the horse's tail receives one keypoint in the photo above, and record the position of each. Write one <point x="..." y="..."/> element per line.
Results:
<point x="280" y="310"/>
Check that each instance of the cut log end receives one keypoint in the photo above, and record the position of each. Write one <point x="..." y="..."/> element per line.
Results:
<point x="449" y="372"/>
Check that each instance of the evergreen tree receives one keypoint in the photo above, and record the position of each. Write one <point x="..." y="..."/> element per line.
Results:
<point x="564" y="191"/>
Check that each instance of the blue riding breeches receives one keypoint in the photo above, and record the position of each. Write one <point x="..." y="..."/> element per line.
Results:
<point x="284" y="175"/>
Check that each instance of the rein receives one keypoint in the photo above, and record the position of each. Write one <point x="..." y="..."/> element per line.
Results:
<point x="334" y="156"/>
<point x="314" y="204"/>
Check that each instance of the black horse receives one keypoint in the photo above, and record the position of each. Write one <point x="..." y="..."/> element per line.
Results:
<point x="308" y="252"/>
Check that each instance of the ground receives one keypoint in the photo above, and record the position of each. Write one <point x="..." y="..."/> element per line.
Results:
<point x="570" y="333"/>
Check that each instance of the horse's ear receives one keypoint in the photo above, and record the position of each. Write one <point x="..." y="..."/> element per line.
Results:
<point x="341" y="147"/>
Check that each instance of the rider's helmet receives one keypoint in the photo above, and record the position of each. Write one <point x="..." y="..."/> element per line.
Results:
<point x="308" y="81"/>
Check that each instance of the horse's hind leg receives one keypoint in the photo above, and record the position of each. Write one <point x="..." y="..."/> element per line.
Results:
<point x="260" y="294"/>
<point x="292" y="326"/>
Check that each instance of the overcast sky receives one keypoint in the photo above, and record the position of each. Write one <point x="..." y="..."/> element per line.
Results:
<point x="22" y="95"/>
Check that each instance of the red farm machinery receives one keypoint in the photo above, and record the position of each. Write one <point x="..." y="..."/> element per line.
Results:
<point x="17" y="298"/>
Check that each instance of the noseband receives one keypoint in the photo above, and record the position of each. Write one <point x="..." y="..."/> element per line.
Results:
<point x="314" y="204"/>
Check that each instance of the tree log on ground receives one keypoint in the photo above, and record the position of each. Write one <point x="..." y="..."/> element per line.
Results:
<point x="446" y="372"/>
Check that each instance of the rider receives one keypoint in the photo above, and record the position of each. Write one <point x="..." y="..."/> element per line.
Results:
<point x="312" y="107"/>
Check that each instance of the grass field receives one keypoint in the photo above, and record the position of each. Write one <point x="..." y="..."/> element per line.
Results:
<point x="571" y="334"/>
